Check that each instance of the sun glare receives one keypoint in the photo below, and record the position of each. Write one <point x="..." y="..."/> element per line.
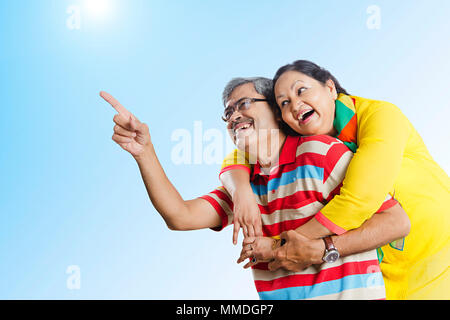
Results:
<point x="98" y="8"/>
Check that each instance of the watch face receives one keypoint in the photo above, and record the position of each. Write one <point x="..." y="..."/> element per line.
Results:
<point x="331" y="256"/>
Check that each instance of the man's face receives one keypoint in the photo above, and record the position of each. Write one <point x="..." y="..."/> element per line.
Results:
<point x="247" y="127"/>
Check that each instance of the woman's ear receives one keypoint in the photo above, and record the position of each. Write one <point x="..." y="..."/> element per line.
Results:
<point x="330" y="86"/>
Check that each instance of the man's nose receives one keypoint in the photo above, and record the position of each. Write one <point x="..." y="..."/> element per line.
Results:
<point x="235" y="116"/>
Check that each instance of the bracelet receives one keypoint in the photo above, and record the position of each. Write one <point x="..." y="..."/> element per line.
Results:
<point x="276" y="242"/>
<point x="281" y="243"/>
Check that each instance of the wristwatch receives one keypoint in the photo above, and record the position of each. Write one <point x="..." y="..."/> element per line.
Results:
<point x="331" y="254"/>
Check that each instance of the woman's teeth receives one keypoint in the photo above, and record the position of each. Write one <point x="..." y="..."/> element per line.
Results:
<point x="305" y="114"/>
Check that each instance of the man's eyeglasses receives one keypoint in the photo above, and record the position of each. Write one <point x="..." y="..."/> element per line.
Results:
<point x="241" y="105"/>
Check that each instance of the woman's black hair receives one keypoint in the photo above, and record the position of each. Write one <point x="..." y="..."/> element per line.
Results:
<point x="311" y="70"/>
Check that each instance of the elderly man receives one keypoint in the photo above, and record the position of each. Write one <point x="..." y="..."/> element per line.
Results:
<point x="289" y="185"/>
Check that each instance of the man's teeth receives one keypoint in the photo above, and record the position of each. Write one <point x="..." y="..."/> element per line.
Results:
<point x="245" y="126"/>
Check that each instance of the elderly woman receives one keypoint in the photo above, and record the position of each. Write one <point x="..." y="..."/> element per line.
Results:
<point x="390" y="157"/>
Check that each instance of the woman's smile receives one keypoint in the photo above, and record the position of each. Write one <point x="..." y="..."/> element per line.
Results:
<point x="306" y="115"/>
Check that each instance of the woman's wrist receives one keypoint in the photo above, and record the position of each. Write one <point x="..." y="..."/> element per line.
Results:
<point x="242" y="191"/>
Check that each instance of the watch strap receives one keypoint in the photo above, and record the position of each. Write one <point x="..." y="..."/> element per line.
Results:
<point x="329" y="245"/>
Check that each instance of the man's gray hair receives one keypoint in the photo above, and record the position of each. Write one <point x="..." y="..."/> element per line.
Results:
<point x="262" y="85"/>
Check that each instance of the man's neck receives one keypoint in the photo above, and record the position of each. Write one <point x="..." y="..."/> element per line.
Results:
<point x="269" y="149"/>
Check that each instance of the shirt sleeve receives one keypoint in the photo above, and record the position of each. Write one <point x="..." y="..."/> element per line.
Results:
<point x="237" y="159"/>
<point x="221" y="201"/>
<point x="383" y="132"/>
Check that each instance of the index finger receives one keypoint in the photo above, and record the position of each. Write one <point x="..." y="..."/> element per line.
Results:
<point x="115" y="104"/>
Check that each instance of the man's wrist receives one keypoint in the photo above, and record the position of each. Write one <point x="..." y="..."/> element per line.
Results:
<point x="146" y="154"/>
<point x="318" y="252"/>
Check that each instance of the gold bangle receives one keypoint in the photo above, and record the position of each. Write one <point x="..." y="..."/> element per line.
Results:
<point x="275" y="244"/>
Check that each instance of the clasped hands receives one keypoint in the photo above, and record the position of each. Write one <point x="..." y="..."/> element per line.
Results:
<point x="292" y="252"/>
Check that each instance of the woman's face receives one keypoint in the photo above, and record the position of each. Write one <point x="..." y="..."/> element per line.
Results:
<point x="306" y="104"/>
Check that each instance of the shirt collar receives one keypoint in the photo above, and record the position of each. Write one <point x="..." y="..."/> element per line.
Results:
<point x="287" y="154"/>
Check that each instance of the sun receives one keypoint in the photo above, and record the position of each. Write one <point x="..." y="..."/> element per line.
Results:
<point x="98" y="8"/>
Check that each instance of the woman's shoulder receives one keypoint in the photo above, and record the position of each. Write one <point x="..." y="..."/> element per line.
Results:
<point x="361" y="102"/>
<point x="366" y="108"/>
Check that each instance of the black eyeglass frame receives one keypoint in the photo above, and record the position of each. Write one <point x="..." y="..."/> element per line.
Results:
<point x="237" y="106"/>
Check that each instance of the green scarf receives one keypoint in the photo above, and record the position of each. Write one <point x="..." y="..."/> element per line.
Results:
<point x="345" y="121"/>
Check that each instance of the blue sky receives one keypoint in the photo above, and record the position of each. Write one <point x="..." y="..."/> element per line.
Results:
<point x="71" y="196"/>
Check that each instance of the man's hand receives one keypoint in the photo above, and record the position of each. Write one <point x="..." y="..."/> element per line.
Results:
<point x="259" y="249"/>
<point x="129" y="133"/>
<point x="298" y="253"/>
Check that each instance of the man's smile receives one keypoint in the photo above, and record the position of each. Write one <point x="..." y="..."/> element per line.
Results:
<point x="242" y="126"/>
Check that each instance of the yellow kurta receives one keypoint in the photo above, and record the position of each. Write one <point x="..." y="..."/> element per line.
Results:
<point x="392" y="158"/>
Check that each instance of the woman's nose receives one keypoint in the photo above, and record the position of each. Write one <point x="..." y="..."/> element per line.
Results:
<point x="295" y="106"/>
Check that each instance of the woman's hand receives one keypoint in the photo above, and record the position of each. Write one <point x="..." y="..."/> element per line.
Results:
<point x="259" y="249"/>
<point x="129" y="133"/>
<point x="298" y="253"/>
<point x="246" y="215"/>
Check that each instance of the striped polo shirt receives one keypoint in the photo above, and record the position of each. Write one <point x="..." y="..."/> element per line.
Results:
<point x="309" y="174"/>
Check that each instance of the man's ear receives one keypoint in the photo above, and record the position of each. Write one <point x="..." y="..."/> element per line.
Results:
<point x="332" y="87"/>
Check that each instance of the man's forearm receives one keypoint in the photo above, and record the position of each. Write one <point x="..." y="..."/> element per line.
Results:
<point x="165" y="198"/>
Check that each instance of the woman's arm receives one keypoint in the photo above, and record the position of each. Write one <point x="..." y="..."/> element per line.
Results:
<point x="235" y="177"/>
<point x="383" y="133"/>
<point x="381" y="229"/>
<point x="300" y="252"/>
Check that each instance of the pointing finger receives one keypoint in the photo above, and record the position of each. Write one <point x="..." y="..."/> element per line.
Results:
<point x="114" y="103"/>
